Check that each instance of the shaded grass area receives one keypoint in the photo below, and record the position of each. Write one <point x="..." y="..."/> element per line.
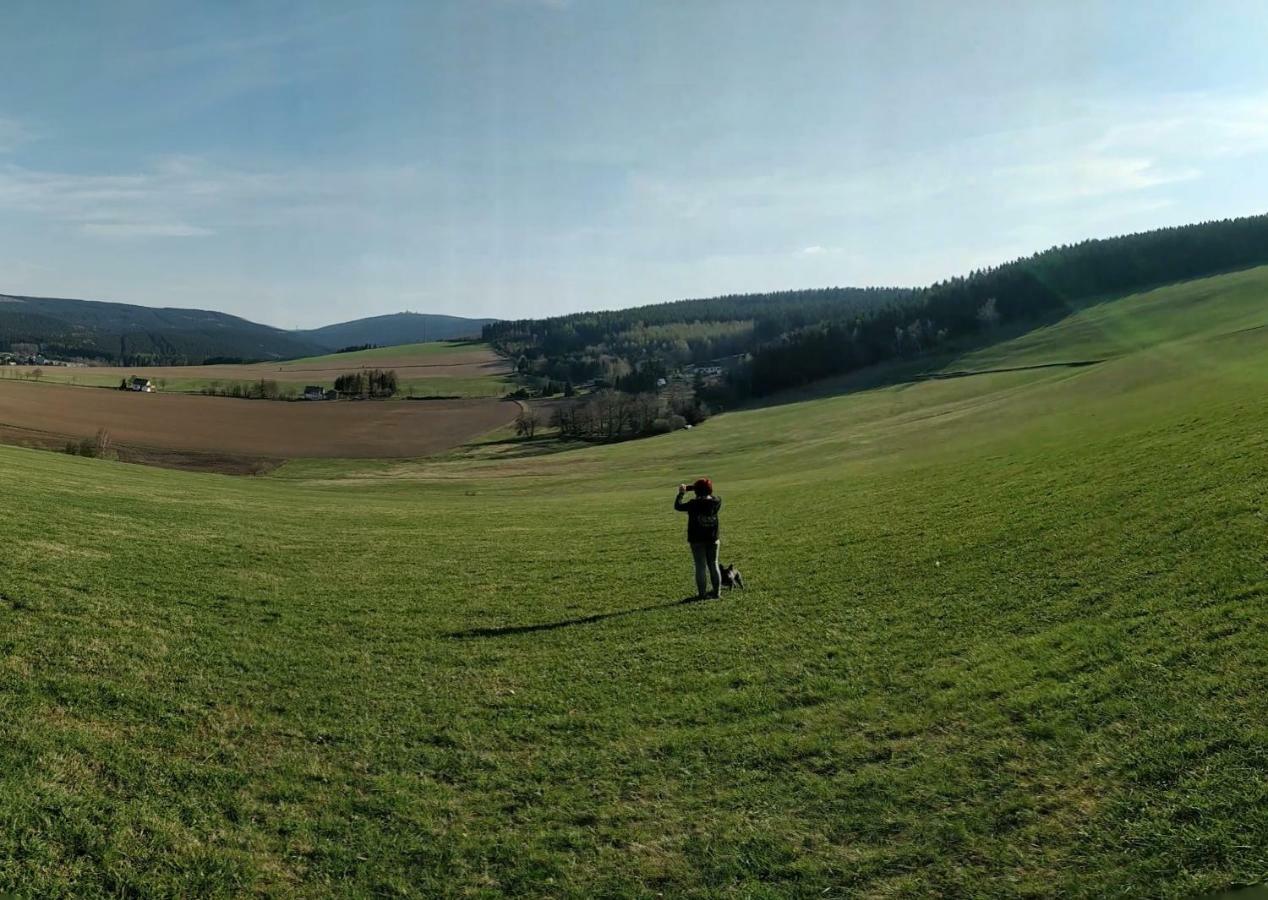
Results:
<point x="1004" y="636"/>
<point x="1087" y="332"/>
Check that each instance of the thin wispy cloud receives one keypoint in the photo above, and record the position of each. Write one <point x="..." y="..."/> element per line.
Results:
<point x="557" y="5"/>
<point x="125" y="230"/>
<point x="1147" y="145"/>
<point x="1089" y="161"/>
<point x="819" y="250"/>
<point x="1085" y="178"/>
<point x="188" y="197"/>
<point x="1196" y="125"/>
<point x="13" y="134"/>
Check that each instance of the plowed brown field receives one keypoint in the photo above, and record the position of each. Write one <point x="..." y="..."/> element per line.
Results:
<point x="246" y="428"/>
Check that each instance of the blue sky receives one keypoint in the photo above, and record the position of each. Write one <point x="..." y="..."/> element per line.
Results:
<point x="300" y="164"/>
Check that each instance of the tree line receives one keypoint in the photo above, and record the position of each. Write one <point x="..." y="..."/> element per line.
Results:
<point x="611" y="415"/>
<point x="264" y="389"/>
<point x="1044" y="284"/>
<point x="64" y="339"/>
<point x="367" y="383"/>
<point x="376" y="383"/>
<point x="612" y="345"/>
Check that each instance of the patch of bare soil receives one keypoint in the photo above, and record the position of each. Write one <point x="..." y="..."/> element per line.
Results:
<point x="221" y="434"/>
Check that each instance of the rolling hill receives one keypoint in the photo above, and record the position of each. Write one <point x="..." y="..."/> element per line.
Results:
<point x="390" y="330"/>
<point x="121" y="332"/>
<point x="126" y="334"/>
<point x="1005" y="635"/>
<point x="770" y="342"/>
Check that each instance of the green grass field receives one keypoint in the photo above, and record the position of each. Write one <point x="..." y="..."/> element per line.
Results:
<point x="422" y="353"/>
<point x="1005" y="636"/>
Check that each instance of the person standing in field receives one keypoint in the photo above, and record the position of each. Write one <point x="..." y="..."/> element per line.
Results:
<point x="702" y="534"/>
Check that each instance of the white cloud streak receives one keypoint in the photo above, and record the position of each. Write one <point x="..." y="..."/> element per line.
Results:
<point x="1081" y="178"/>
<point x="143" y="230"/>
<point x="189" y="197"/>
<point x="13" y="134"/>
<point x="1111" y="157"/>
<point x="556" y="5"/>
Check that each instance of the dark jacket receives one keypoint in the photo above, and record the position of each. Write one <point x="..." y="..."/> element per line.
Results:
<point x="702" y="518"/>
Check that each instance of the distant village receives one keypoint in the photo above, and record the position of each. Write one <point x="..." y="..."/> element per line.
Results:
<point x="34" y="359"/>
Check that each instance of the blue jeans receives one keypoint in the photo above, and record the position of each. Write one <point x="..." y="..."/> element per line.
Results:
<point x="706" y="557"/>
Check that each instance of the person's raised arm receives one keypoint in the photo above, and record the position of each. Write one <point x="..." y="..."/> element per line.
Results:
<point x="678" y="504"/>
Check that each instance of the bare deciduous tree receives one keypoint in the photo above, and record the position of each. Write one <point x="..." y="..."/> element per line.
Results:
<point x="527" y="423"/>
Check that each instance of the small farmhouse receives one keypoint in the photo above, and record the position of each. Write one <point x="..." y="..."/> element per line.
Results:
<point x="144" y="385"/>
<point x="313" y="392"/>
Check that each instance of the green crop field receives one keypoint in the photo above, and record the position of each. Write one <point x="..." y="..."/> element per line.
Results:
<point x="421" y="354"/>
<point x="1005" y="635"/>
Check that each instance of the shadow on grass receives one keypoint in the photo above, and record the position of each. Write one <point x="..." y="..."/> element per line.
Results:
<point x="1077" y="364"/>
<point x="522" y="447"/>
<point x="907" y="372"/>
<point x="507" y="630"/>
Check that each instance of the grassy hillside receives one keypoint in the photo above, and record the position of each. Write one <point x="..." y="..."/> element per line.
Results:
<point x="1172" y="318"/>
<point x="418" y="354"/>
<point x="398" y="328"/>
<point x="1005" y="636"/>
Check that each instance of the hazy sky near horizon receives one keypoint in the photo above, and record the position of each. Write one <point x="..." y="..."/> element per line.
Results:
<point x="306" y="163"/>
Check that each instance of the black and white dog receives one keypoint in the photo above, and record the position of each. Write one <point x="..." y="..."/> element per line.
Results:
<point x="731" y="577"/>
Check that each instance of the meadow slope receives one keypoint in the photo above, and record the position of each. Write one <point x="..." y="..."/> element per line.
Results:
<point x="1005" y="636"/>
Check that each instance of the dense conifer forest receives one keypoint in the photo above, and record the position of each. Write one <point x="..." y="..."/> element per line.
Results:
<point x="138" y="335"/>
<point x="130" y="335"/>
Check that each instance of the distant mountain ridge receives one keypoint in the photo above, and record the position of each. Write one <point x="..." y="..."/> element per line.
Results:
<point x="128" y="334"/>
<point x="397" y="328"/>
